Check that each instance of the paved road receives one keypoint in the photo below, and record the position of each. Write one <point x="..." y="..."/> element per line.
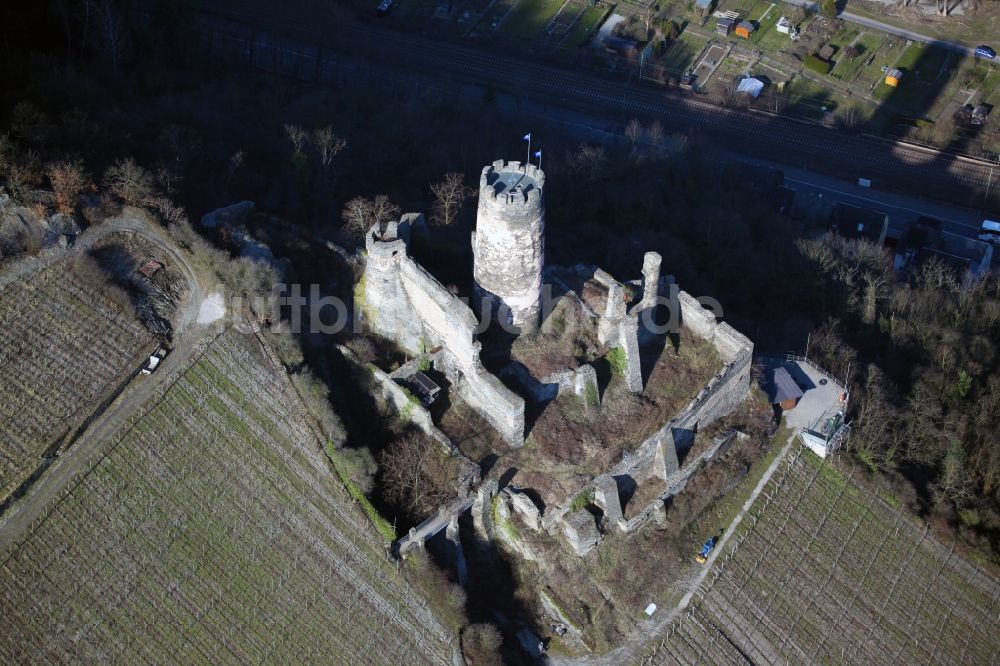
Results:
<point x="372" y="53"/>
<point x="902" y="209"/>
<point x="82" y="454"/>
<point x="889" y="28"/>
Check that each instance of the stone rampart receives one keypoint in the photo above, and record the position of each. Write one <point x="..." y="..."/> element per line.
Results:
<point x="405" y="303"/>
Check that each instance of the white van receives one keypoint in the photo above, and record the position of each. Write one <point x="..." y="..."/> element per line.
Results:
<point x="989" y="231"/>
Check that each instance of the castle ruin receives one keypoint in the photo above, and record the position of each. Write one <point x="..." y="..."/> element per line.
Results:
<point x="401" y="301"/>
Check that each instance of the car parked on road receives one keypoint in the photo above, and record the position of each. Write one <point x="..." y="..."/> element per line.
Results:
<point x="983" y="51"/>
<point x="154" y="361"/>
<point x="989" y="231"/>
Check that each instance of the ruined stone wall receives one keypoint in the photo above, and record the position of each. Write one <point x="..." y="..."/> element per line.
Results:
<point x="719" y="397"/>
<point x="405" y="303"/>
<point x="729" y="342"/>
<point x="581" y="381"/>
<point x="444" y="319"/>
<point x="509" y="242"/>
<point x="502" y="408"/>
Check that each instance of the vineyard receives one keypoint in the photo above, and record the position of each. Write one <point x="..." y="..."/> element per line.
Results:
<point x="212" y="532"/>
<point x="829" y="573"/>
<point x="63" y="345"/>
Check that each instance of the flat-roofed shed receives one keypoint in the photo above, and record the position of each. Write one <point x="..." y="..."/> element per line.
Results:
<point x="785" y="392"/>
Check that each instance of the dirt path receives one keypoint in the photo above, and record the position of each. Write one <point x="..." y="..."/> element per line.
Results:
<point x="632" y="649"/>
<point x="82" y="454"/>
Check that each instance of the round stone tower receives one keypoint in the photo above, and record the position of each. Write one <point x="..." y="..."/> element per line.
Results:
<point x="509" y="244"/>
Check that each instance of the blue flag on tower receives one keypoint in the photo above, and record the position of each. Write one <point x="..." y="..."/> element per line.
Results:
<point x="538" y="154"/>
<point x="527" y="137"/>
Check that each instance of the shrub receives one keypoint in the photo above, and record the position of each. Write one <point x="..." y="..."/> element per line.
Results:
<point x="616" y="359"/>
<point x="363" y="348"/>
<point x="316" y="396"/>
<point x="29" y="123"/>
<point x="480" y="644"/>
<point x="69" y="181"/>
<point x="284" y="343"/>
<point x="816" y="64"/>
<point x="360" y="467"/>
<point x="343" y="471"/>
<point x="582" y="500"/>
<point x="829" y="8"/>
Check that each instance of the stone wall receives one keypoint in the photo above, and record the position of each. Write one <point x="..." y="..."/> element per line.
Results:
<point x="502" y="408"/>
<point x="581" y="381"/>
<point x="403" y="302"/>
<point x="656" y="457"/>
<point x="676" y="481"/>
<point x="723" y="392"/>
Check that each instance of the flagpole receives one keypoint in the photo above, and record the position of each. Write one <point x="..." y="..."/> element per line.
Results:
<point x="528" y="161"/>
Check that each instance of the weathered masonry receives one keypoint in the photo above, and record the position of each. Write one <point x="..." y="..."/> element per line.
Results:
<point x="404" y="302"/>
<point x="508" y="244"/>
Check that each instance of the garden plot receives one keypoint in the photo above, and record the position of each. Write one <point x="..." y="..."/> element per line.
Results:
<point x="529" y="18"/>
<point x="708" y="64"/>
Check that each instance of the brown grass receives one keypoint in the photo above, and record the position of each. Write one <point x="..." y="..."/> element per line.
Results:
<point x="469" y="431"/>
<point x="570" y="442"/>
<point x="567" y="336"/>
<point x="603" y="593"/>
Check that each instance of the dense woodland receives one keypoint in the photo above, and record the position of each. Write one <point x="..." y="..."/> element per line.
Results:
<point x="97" y="126"/>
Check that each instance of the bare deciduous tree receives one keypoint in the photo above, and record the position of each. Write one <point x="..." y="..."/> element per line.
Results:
<point x="588" y="161"/>
<point x="449" y="195"/>
<point x="297" y="136"/>
<point x="875" y="285"/>
<point x="111" y="35"/>
<point x="129" y="182"/>
<point x="417" y="475"/>
<point x="633" y="130"/>
<point x="360" y="213"/>
<point x="775" y="101"/>
<point x="328" y="144"/>
<point x="655" y="132"/>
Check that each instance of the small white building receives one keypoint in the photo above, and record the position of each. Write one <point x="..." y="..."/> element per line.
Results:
<point x="825" y="443"/>
<point x="784" y="26"/>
